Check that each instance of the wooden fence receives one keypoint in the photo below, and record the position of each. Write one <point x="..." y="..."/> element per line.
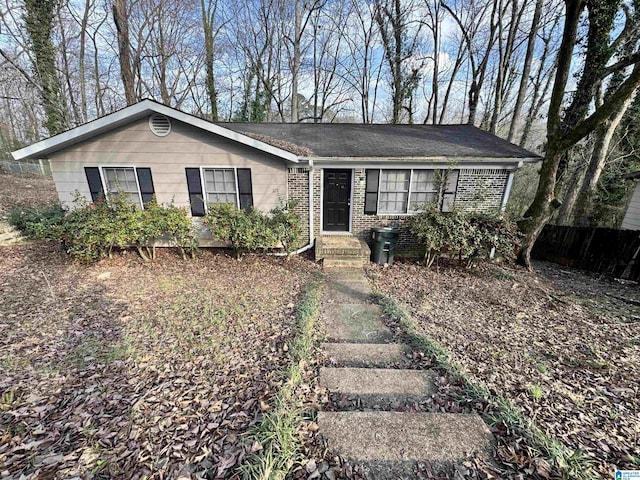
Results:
<point x="602" y="250"/>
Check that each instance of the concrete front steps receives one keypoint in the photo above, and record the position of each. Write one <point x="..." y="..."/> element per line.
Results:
<point x="342" y="251"/>
<point x="376" y="396"/>
<point x="366" y="354"/>
<point x="378" y="388"/>
<point x="389" y="444"/>
<point x="9" y="235"/>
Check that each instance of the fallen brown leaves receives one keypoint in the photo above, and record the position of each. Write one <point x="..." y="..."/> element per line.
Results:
<point x="129" y="370"/>
<point x="556" y="343"/>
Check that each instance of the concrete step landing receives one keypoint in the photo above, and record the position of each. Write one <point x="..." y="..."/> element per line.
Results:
<point x="388" y="444"/>
<point x="379" y="388"/>
<point x="366" y="354"/>
<point x="355" y="323"/>
<point x="342" y="251"/>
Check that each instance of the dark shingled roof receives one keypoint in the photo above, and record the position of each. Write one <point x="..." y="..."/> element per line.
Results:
<point x="386" y="140"/>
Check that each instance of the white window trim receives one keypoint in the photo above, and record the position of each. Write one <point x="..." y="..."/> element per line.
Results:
<point x="407" y="212"/>
<point x="104" y="180"/>
<point x="204" y="184"/>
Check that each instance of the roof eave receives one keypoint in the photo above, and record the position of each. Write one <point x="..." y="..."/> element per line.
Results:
<point x="134" y="112"/>
<point x="432" y="159"/>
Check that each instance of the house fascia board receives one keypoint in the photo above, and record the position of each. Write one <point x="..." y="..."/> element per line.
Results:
<point x="423" y="162"/>
<point x="134" y="112"/>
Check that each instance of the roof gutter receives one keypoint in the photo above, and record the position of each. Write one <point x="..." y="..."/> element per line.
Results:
<point x="420" y="160"/>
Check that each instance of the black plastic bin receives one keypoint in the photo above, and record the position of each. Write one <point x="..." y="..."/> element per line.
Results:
<point x="384" y="243"/>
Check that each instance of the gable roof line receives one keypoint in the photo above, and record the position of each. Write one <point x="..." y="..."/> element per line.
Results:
<point x="133" y="112"/>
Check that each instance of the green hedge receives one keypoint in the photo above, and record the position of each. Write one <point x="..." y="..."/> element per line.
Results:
<point x="38" y="223"/>
<point x="90" y="231"/>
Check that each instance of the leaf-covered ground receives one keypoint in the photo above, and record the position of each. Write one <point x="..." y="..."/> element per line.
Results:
<point x="25" y="190"/>
<point x="563" y="345"/>
<point x="127" y="370"/>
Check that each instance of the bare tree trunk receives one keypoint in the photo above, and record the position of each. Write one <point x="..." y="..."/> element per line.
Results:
<point x="121" y="20"/>
<point x="77" y="117"/>
<point x="566" y="209"/>
<point x="209" y="9"/>
<point x="603" y="135"/>
<point x="524" y="80"/>
<point x="295" y="66"/>
<point x="565" y="130"/>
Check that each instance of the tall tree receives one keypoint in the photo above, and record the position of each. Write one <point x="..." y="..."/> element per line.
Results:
<point x="400" y="35"/>
<point x="121" y="13"/>
<point x="39" y="18"/>
<point x="526" y="70"/>
<point x="210" y="30"/>
<point x="565" y="127"/>
<point x="474" y="18"/>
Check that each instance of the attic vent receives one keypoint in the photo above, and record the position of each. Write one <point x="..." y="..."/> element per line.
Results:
<point x="159" y="125"/>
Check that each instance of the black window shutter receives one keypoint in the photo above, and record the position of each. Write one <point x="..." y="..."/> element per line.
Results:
<point x="245" y="190"/>
<point x="371" y="192"/>
<point x="195" y="191"/>
<point x="95" y="184"/>
<point x="146" y="184"/>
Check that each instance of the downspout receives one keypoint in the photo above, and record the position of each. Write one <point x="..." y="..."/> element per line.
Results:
<point x="311" y="235"/>
<point x="505" y="199"/>
<point x="507" y="190"/>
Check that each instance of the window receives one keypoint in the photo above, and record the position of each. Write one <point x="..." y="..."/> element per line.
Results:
<point x="424" y="188"/>
<point x="220" y="185"/>
<point x="404" y="191"/>
<point x="394" y="191"/>
<point x="122" y="179"/>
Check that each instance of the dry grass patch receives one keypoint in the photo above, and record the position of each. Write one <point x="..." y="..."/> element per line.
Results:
<point x="25" y="190"/>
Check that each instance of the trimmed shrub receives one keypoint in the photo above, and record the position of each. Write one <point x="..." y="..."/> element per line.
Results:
<point x="245" y="231"/>
<point x="287" y="225"/>
<point x="38" y="223"/>
<point x="92" y="230"/>
<point x="467" y="235"/>
<point x="252" y="230"/>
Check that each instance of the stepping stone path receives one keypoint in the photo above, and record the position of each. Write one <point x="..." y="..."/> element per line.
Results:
<point x="374" y="429"/>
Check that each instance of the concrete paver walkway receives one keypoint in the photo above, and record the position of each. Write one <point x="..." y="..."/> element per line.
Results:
<point x="386" y="442"/>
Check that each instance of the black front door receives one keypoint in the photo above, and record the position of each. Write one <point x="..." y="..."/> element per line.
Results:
<point x="336" y="200"/>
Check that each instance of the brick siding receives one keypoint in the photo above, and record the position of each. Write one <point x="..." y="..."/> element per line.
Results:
<point x="298" y="189"/>
<point x="481" y="189"/>
<point x="477" y="190"/>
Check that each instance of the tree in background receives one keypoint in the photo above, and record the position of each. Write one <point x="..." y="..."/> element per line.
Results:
<point x="39" y="15"/>
<point x="400" y="35"/>
<point x="121" y="13"/>
<point x="567" y="125"/>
